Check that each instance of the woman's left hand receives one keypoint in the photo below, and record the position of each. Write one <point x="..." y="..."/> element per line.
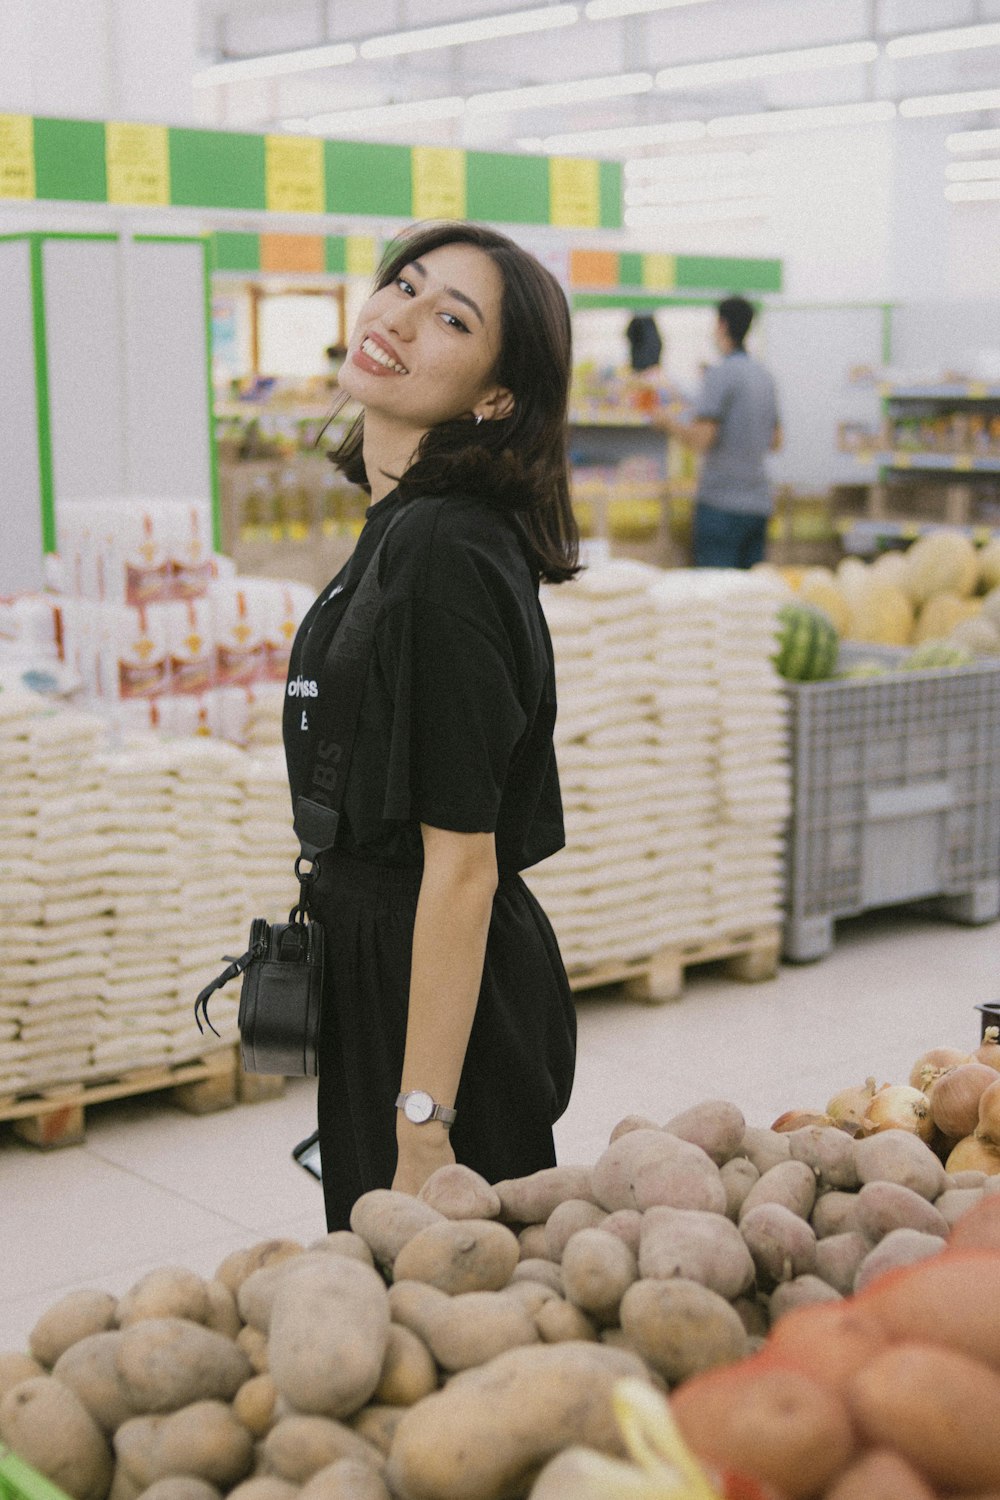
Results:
<point x="421" y="1150"/>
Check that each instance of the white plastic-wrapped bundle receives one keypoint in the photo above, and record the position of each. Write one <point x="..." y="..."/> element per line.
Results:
<point x="269" y="844"/>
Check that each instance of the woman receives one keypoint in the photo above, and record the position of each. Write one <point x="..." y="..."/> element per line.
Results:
<point x="444" y="991"/>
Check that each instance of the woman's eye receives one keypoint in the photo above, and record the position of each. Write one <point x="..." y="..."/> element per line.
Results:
<point x="454" y="322"/>
<point x="404" y="285"/>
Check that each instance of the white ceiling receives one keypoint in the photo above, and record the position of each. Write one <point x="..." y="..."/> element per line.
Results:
<point x="691" y="32"/>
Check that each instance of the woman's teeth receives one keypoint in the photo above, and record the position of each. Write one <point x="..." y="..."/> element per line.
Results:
<point x="375" y="352"/>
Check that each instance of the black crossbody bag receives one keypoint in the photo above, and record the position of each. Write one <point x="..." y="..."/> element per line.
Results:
<point x="281" y="1000"/>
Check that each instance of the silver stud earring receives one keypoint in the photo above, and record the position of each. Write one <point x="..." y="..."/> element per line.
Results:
<point x="479" y="417"/>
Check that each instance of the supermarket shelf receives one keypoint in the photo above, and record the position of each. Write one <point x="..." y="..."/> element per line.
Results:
<point x="965" y="390"/>
<point x="616" y="422"/>
<point x="865" y="538"/>
<point x="949" y="463"/>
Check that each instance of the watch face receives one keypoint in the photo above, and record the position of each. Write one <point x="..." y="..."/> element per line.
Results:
<point x="419" y="1107"/>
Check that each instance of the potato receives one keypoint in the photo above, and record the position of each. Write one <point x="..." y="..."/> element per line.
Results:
<point x="408" y="1370"/>
<point x="979" y="1226"/>
<point x="828" y="1151"/>
<point x="468" y="1255"/>
<point x="765" y="1148"/>
<point x="900" y="1247"/>
<point x="626" y="1223"/>
<point x="223" y="1314"/>
<point x="565" y="1220"/>
<point x="884" y="1206"/>
<point x="472" y="1327"/>
<point x="166" y="1363"/>
<point x="263" y="1487"/>
<point x="235" y="1269"/>
<point x="937" y="1408"/>
<point x="15" y="1368"/>
<point x="329" y="1331"/>
<point x="737" y="1177"/>
<point x="167" y="1292"/>
<point x="598" y="1270"/>
<point x="532" y="1243"/>
<point x="804" y="1291"/>
<point x="967" y="1179"/>
<point x="835" y="1213"/>
<point x="706" y="1248"/>
<point x="254" y="1346"/>
<point x="715" y="1125"/>
<point x="898" y="1156"/>
<point x="782" y="1244"/>
<point x="770" y="1423"/>
<point x="47" y="1425"/>
<point x="491" y="1429"/>
<point x="377" y="1425"/>
<point x="955" y="1202"/>
<point x="632" y="1122"/>
<point x="203" y="1440"/>
<point x="255" y="1298"/>
<point x="838" y="1257"/>
<point x="69" y="1320"/>
<point x="647" y="1167"/>
<point x="90" y="1369"/>
<point x="297" y="1447"/>
<point x="538" y="1271"/>
<point x="558" y="1322"/>
<point x="531" y="1200"/>
<point x="346" y="1242"/>
<point x="753" y="1314"/>
<point x="183" y="1487"/>
<point x="951" y="1299"/>
<point x="531" y="1294"/>
<point x="680" y="1328"/>
<point x="255" y="1404"/>
<point x="347" y="1479"/>
<point x="386" y="1221"/>
<point x="460" y="1193"/>
<point x="880" y="1472"/>
<point x="790" y="1183"/>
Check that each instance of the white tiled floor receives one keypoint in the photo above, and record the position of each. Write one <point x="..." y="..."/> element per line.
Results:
<point x="153" y="1187"/>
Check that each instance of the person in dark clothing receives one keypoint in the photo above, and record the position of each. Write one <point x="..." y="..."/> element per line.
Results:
<point x="448" y="1025"/>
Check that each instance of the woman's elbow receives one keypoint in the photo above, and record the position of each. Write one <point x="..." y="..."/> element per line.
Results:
<point x="466" y="861"/>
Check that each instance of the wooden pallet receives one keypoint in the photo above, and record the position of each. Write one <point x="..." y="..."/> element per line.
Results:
<point x="750" y="954"/>
<point x="55" y="1116"/>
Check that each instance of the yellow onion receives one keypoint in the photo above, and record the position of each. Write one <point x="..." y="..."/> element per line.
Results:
<point x="929" y="1067"/>
<point x="798" y="1119"/>
<point x="989" y="1052"/>
<point x="847" y="1109"/>
<point x="896" y="1106"/>
<point x="989" y="1114"/>
<point x="974" y="1155"/>
<point x="954" y="1098"/>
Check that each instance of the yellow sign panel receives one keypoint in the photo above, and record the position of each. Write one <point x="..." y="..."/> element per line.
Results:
<point x="659" y="271"/>
<point x="359" y="255"/>
<point x="574" y="192"/>
<point x="138" y="160"/>
<point x="438" y="182"/>
<point x="17" y="156"/>
<point x="293" y="167"/>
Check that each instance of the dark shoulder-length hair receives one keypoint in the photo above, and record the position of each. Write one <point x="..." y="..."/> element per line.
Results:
<point x="519" y="462"/>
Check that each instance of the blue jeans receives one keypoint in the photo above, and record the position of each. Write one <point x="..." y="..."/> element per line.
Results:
<point x="727" y="538"/>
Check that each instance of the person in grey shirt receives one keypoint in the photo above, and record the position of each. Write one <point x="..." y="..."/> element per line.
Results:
<point x="734" y="423"/>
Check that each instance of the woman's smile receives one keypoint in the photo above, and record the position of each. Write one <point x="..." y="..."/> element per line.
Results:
<point x="375" y="351"/>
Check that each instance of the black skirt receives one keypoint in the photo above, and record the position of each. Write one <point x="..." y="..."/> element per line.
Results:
<point x="519" y="1064"/>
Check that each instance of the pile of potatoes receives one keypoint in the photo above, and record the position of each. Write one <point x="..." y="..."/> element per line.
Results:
<point x="448" y="1346"/>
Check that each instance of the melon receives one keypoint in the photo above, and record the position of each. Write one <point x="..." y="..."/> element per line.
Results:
<point x="941" y="562"/>
<point x="807" y="644"/>
<point x="819" y="587"/>
<point x="941" y="614"/>
<point x="881" y="615"/>
<point x="937" y="654"/>
<point x="867" y="668"/>
<point x="977" y="634"/>
<point x="991" y="606"/>
<point x="889" y="567"/>
<point x="852" y="577"/>
<point x="989" y="565"/>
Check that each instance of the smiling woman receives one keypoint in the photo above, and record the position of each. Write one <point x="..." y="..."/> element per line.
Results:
<point x="448" y="1025"/>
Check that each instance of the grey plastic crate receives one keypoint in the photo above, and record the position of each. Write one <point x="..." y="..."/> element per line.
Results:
<point x="896" y="797"/>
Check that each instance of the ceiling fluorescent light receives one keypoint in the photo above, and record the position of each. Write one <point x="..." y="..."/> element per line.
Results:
<point x="927" y="105"/>
<point x="697" y="213"/>
<point x="377" y="116"/>
<point x="766" y="65"/>
<point x="709" y="190"/>
<point x="972" y="192"/>
<point x="974" y="140"/>
<point x="609" y="10"/>
<point x="276" y="64"/>
<point x="670" y="133"/>
<point x="542" y="95"/>
<point x="652" y="168"/>
<point x="969" y="171"/>
<point x="779" y="120"/>
<point x="954" y="39"/>
<point x="458" y="33"/>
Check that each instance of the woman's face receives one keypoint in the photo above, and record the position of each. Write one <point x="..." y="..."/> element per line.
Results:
<point x="425" y="346"/>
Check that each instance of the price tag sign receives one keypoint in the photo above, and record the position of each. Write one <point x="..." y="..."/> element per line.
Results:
<point x="17" y="156"/>
<point x="963" y="462"/>
<point x="574" y="192"/>
<point x="293" y="166"/>
<point x="659" y="271"/>
<point x="977" y="390"/>
<point x="359" y="255"/>
<point x="902" y="461"/>
<point x="438" y="182"/>
<point x="138" y="161"/>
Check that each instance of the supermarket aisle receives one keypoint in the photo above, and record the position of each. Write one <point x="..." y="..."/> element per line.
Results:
<point x="153" y="1187"/>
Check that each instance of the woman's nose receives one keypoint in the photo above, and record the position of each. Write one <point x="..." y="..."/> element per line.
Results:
<point x="402" y="318"/>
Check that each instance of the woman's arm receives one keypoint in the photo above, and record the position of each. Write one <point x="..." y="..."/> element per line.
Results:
<point x="449" y="947"/>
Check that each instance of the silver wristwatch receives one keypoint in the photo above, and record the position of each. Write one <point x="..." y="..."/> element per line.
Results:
<point x="419" y="1108"/>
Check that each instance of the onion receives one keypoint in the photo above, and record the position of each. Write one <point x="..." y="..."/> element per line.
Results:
<point x="798" y="1119"/>
<point x="954" y="1098"/>
<point x="930" y="1066"/>
<point x="847" y="1109"/>
<point x="989" y="1052"/>
<point x="974" y="1155"/>
<point x="895" y="1106"/>
<point x="989" y="1114"/>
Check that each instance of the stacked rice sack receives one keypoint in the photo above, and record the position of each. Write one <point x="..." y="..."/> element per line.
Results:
<point x="269" y="844"/>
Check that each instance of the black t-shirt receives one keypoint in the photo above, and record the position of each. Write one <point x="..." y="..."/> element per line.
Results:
<point x="456" y="720"/>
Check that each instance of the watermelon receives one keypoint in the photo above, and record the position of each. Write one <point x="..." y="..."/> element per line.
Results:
<point x="807" y="643"/>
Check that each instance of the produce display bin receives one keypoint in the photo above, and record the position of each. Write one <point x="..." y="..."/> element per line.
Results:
<point x="19" y="1481"/>
<point x="895" y="798"/>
